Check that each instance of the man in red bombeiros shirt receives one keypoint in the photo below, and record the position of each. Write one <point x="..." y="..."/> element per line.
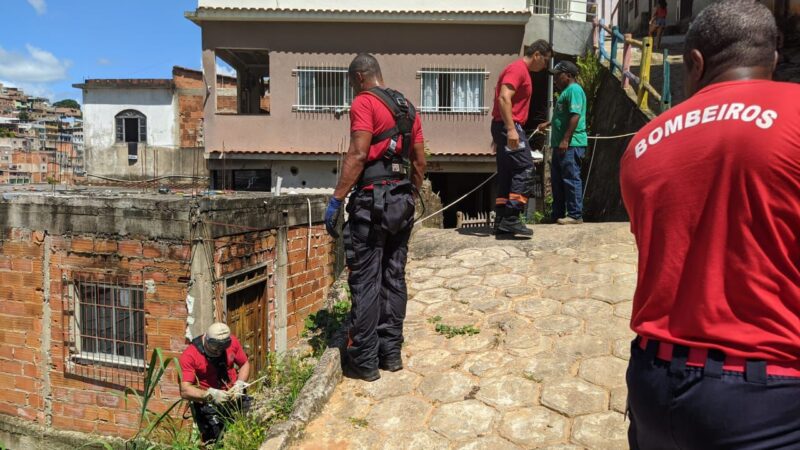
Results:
<point x="512" y="99"/>
<point x="385" y="164"/>
<point x="214" y="371"/>
<point x="712" y="188"/>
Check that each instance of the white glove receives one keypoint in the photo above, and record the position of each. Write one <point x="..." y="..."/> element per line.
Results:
<point x="238" y="389"/>
<point x="217" y="396"/>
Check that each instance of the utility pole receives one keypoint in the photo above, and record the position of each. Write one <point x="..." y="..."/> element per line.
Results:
<point x="552" y="14"/>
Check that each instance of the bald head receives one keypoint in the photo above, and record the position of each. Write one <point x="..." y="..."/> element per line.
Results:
<point x="731" y="35"/>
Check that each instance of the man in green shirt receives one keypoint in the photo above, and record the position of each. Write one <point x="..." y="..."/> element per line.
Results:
<point x="568" y="140"/>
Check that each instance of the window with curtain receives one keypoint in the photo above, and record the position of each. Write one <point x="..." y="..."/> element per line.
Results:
<point x="452" y="90"/>
<point x="323" y="89"/>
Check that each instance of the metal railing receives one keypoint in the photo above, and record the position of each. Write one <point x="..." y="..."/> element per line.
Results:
<point x="642" y="82"/>
<point x="322" y="89"/>
<point x="580" y="10"/>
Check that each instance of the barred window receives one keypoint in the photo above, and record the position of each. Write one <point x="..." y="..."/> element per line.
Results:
<point x="323" y="89"/>
<point x="452" y="90"/>
<point x="110" y="323"/>
<point x="131" y="126"/>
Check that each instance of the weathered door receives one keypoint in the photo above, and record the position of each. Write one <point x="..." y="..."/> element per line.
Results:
<point x="247" y="297"/>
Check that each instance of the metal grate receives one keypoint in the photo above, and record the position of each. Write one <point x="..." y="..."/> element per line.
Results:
<point x="452" y="90"/>
<point x="322" y="89"/>
<point x="104" y="321"/>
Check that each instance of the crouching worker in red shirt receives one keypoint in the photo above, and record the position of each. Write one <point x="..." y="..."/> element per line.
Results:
<point x="215" y="371"/>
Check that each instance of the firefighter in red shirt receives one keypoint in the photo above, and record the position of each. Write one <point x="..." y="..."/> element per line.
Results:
<point x="385" y="164"/>
<point x="712" y="188"/>
<point x="215" y="370"/>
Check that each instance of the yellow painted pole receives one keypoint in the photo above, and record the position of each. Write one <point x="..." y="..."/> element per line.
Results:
<point x="644" y="75"/>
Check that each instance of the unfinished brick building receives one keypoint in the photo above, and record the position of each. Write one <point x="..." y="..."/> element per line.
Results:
<point x="91" y="283"/>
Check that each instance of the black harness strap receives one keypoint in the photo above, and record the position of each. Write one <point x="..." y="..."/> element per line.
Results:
<point x="219" y="363"/>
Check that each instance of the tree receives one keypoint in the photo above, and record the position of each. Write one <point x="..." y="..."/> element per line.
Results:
<point x="67" y="103"/>
<point x="23" y="116"/>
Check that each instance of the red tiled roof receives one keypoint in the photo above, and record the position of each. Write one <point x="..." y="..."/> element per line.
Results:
<point x="302" y="14"/>
<point x="311" y="152"/>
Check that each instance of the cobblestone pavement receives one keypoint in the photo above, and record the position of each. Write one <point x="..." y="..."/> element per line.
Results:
<point x="546" y="370"/>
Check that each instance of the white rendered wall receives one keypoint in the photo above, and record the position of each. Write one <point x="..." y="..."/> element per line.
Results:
<point x="100" y="107"/>
<point x="383" y="5"/>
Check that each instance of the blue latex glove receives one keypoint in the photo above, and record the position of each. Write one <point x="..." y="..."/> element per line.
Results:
<point x="332" y="216"/>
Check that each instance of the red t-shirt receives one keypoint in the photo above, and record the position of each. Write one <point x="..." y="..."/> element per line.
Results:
<point x="369" y="113"/>
<point x="517" y="75"/>
<point x="661" y="13"/>
<point x="712" y="187"/>
<point x="196" y="369"/>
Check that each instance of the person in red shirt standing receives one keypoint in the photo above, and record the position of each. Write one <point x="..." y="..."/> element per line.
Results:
<point x="658" y="23"/>
<point x="512" y="99"/>
<point x="712" y="188"/>
<point x="385" y="164"/>
<point x="214" y="371"/>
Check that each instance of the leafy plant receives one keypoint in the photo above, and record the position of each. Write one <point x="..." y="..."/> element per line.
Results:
<point x="434" y="319"/>
<point x="358" y="422"/>
<point x="589" y="77"/>
<point x="323" y="324"/>
<point x="450" y="331"/>
<point x="149" y="420"/>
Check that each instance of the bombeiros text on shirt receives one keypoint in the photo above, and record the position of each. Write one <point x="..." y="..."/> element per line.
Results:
<point x="762" y="118"/>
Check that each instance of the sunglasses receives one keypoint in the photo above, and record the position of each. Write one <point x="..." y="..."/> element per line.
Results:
<point x="218" y="345"/>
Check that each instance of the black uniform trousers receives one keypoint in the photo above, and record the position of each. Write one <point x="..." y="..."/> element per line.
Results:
<point x="674" y="406"/>
<point x="514" y="168"/>
<point x="376" y="245"/>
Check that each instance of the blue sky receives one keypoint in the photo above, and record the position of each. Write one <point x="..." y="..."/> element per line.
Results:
<point x="47" y="45"/>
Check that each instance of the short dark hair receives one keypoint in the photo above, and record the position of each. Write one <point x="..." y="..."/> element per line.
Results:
<point x="543" y="47"/>
<point x="733" y="33"/>
<point x="366" y="64"/>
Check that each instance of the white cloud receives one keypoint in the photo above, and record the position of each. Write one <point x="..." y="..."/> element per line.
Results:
<point x="103" y="62"/>
<point x="39" y="5"/>
<point x="38" y="66"/>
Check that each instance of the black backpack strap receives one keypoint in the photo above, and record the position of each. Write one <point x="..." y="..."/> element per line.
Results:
<point x="220" y="363"/>
<point x="404" y="115"/>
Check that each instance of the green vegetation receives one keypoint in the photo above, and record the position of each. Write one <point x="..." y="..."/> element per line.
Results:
<point x="67" y="103"/>
<point x="589" y="78"/>
<point x="450" y="331"/>
<point x="24" y="116"/>
<point x="322" y="325"/>
<point x="358" y="422"/>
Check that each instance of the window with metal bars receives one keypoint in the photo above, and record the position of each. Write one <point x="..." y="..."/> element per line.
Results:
<point x="131" y="126"/>
<point x="323" y="89"/>
<point x="452" y="90"/>
<point x="109" y="323"/>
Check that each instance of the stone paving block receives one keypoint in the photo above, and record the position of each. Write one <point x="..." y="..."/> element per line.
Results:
<point x="615" y="268"/>
<point x="421" y="440"/>
<point x="421" y="284"/>
<point x="613" y="293"/>
<point x="431" y="296"/>
<point x="626" y="280"/>
<point x="512" y="251"/>
<point x="520" y="291"/>
<point x="508" y="392"/>
<point x="562" y="447"/>
<point x="418" y="273"/>
<point x="350" y="402"/>
<point x="474" y="263"/>
<point x="447" y="309"/>
<point x="548" y="366"/>
<point x="563" y="293"/>
<point x="534" y="426"/>
<point x="447" y="387"/>
<point x="623" y="310"/>
<point x="490" y="305"/>
<point x="487" y="364"/>
<point x="463" y="282"/>
<point x="472" y="293"/>
<point x="605" y="371"/>
<point x="582" y="346"/>
<point x="485" y="340"/>
<point x="601" y="431"/>
<point x="535" y="308"/>
<point x="547" y="280"/>
<point x="434" y="360"/>
<point x="490" y="269"/>
<point x="566" y="251"/>
<point x="611" y="328"/>
<point x="487" y="443"/>
<point x="453" y="272"/>
<point x="619" y="399"/>
<point x="588" y="279"/>
<point x="463" y="420"/>
<point x="622" y="349"/>
<point x="525" y="339"/>
<point x="587" y="309"/>
<point x="391" y="384"/>
<point x="440" y="262"/>
<point x="399" y="414"/>
<point x="573" y="268"/>
<point x="559" y="325"/>
<point x="517" y="261"/>
<point x="469" y="253"/>
<point x="574" y="397"/>
<point x="415" y="311"/>
<point x="505" y="280"/>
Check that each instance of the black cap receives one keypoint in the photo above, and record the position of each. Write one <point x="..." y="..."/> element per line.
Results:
<point x="565" y="67"/>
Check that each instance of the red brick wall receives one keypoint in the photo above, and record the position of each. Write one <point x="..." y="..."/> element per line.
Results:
<point x="82" y="404"/>
<point x="309" y="278"/>
<point x="190" y="106"/>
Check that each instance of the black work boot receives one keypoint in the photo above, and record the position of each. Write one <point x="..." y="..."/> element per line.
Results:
<point x="391" y="364"/>
<point x="349" y="370"/>
<point x="499" y="213"/>
<point x="512" y="225"/>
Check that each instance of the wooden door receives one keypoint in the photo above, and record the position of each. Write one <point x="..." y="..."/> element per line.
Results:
<point x="247" y="318"/>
